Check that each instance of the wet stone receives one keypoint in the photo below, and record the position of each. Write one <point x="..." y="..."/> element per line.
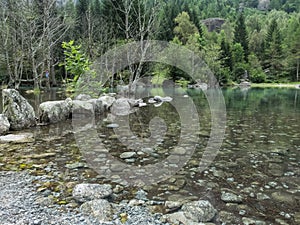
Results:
<point x="75" y="165"/>
<point x="297" y="217"/>
<point x="172" y="205"/>
<point x="180" y="183"/>
<point x="130" y="160"/>
<point x="249" y="221"/>
<point x="118" y="189"/>
<point x="281" y="222"/>
<point x="261" y="196"/>
<point x="275" y="169"/>
<point x="230" y="197"/>
<point x="283" y="197"/>
<point x="227" y="217"/>
<point x="127" y="155"/>
<point x="112" y="125"/>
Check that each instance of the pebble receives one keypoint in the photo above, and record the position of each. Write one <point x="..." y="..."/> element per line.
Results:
<point x="242" y="212"/>
<point x="127" y="155"/>
<point x="261" y="196"/>
<point x="112" y="125"/>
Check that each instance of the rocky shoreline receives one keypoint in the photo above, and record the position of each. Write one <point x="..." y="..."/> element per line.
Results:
<point x="20" y="203"/>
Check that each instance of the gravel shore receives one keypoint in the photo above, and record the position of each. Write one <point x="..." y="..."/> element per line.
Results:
<point x="19" y="206"/>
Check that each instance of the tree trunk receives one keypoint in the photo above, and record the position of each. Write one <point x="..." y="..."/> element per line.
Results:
<point x="297" y="70"/>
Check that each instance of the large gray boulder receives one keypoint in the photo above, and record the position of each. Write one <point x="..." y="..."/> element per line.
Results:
<point x="98" y="105"/>
<point x="87" y="192"/>
<point x="121" y="107"/>
<point x="4" y="124"/>
<point x="55" y="111"/>
<point x="82" y="108"/>
<point x="83" y="97"/>
<point x="107" y="101"/>
<point x="18" y="111"/>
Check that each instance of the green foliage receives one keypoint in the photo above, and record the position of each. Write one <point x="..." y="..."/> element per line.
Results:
<point x="185" y="28"/>
<point x="75" y="61"/>
<point x="160" y="73"/>
<point x="182" y="82"/>
<point x="255" y="70"/>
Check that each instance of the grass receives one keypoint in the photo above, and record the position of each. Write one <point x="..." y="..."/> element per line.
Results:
<point x="276" y="85"/>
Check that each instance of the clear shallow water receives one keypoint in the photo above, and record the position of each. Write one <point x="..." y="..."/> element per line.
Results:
<point x="259" y="158"/>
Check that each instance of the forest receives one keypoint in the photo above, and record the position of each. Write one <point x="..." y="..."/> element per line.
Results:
<point x="50" y="43"/>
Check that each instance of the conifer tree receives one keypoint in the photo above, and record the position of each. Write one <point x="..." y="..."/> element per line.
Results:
<point x="241" y="36"/>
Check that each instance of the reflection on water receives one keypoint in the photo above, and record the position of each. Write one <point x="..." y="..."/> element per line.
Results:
<point x="259" y="159"/>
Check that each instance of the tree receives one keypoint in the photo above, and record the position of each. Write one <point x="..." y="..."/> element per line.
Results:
<point x="75" y="61"/>
<point x="273" y="50"/>
<point x="139" y="20"/>
<point x="241" y="36"/>
<point x="292" y="49"/>
<point x="226" y="54"/>
<point x="239" y="66"/>
<point x="13" y="35"/>
<point x="82" y="8"/>
<point x="256" y="73"/>
<point x="32" y="31"/>
<point x="166" y="21"/>
<point x="185" y="28"/>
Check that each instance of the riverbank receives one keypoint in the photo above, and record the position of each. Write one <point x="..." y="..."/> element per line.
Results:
<point x="276" y="85"/>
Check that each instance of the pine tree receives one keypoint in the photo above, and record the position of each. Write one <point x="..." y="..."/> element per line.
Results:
<point x="273" y="50"/>
<point x="241" y="36"/>
<point x="225" y="54"/>
<point x="81" y="18"/>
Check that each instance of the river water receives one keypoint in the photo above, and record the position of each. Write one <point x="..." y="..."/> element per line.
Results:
<point x="259" y="160"/>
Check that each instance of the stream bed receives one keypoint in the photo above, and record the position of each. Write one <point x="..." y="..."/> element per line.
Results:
<point x="258" y="162"/>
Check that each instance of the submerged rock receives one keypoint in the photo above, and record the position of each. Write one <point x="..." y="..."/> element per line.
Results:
<point x="18" y="111"/>
<point x="250" y="221"/>
<point x="199" y="211"/>
<point x="17" y="138"/>
<point x="283" y="197"/>
<point x="55" y="111"/>
<point x="87" y="192"/>
<point x="230" y="197"/>
<point x="4" y="124"/>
